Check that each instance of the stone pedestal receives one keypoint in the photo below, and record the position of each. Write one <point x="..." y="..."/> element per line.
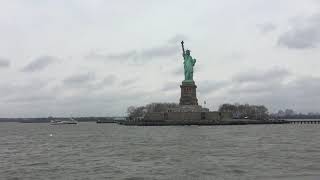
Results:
<point x="188" y="93"/>
<point x="188" y="108"/>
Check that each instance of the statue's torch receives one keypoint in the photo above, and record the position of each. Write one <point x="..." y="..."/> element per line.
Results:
<point x="183" y="48"/>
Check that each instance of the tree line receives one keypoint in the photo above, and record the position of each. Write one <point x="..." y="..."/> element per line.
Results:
<point x="139" y="111"/>
<point x="291" y="114"/>
<point x="246" y="111"/>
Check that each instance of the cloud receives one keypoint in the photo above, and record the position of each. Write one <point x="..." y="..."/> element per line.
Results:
<point x="4" y="62"/>
<point x="165" y="50"/>
<point x="171" y="86"/>
<point x="115" y="56"/>
<point x="233" y="56"/>
<point x="212" y="86"/>
<point x="178" y="71"/>
<point x="258" y="82"/>
<point x="79" y="79"/>
<point x="114" y="103"/>
<point x="266" y="27"/>
<point x="106" y="82"/>
<point x="27" y="87"/>
<point x="34" y="90"/>
<point x="109" y="80"/>
<point x="31" y="98"/>
<point x="142" y="55"/>
<point x="303" y="34"/>
<point x="261" y="76"/>
<point x="158" y="52"/>
<point x="254" y="88"/>
<point x="84" y="83"/>
<point x="300" y="94"/>
<point x="49" y="102"/>
<point x="39" y="64"/>
<point x="177" y="39"/>
<point x="129" y="82"/>
<point x="276" y="88"/>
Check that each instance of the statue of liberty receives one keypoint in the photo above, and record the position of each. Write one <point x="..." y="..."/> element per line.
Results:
<point x="188" y="64"/>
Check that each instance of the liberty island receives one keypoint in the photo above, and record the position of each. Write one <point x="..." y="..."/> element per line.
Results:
<point x="189" y="112"/>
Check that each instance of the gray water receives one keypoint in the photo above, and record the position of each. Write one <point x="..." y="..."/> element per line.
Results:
<point x="111" y="151"/>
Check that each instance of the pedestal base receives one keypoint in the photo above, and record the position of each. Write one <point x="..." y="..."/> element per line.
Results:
<point x="188" y="108"/>
<point x="188" y="93"/>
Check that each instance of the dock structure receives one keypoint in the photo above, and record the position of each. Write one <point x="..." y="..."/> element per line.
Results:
<point x="116" y="119"/>
<point x="305" y="122"/>
<point x="146" y="122"/>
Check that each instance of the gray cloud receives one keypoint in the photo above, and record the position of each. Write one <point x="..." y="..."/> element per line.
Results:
<point x="212" y="86"/>
<point x="106" y="82"/>
<point x="246" y="86"/>
<point x="158" y="52"/>
<point x="234" y="56"/>
<point x="33" y="91"/>
<point x="104" y="104"/>
<point x="51" y="102"/>
<point x="177" y="39"/>
<point x="31" y="98"/>
<point x="267" y="27"/>
<point x="129" y="82"/>
<point x="303" y="34"/>
<point x="109" y="80"/>
<point x="256" y="76"/>
<point x="122" y="56"/>
<point x="12" y="89"/>
<point x="79" y="79"/>
<point x="39" y="64"/>
<point x="145" y="54"/>
<point x="178" y="71"/>
<point x="272" y="88"/>
<point x="87" y="82"/>
<point x="258" y="82"/>
<point x="301" y="94"/>
<point x="169" y="86"/>
<point x="254" y="88"/>
<point x="165" y="50"/>
<point x="4" y="62"/>
<point x="115" y="56"/>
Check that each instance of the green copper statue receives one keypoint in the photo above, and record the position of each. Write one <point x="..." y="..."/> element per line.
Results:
<point x="188" y="64"/>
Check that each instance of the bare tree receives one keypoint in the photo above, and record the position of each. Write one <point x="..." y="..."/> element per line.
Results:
<point x="245" y="111"/>
<point x="135" y="112"/>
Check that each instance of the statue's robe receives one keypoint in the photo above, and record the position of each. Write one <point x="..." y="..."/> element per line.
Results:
<point x="188" y="66"/>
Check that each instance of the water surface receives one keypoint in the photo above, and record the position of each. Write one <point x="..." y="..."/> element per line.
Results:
<point x="111" y="151"/>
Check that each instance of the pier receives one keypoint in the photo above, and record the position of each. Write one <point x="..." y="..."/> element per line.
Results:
<point x="146" y="122"/>
<point x="305" y="122"/>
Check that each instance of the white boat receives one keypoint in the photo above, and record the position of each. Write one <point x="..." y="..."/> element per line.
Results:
<point x="64" y="121"/>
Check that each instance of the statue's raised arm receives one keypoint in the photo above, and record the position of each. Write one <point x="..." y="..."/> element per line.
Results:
<point x="183" y="51"/>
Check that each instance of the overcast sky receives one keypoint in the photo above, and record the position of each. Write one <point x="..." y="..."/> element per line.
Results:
<point x="97" y="57"/>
